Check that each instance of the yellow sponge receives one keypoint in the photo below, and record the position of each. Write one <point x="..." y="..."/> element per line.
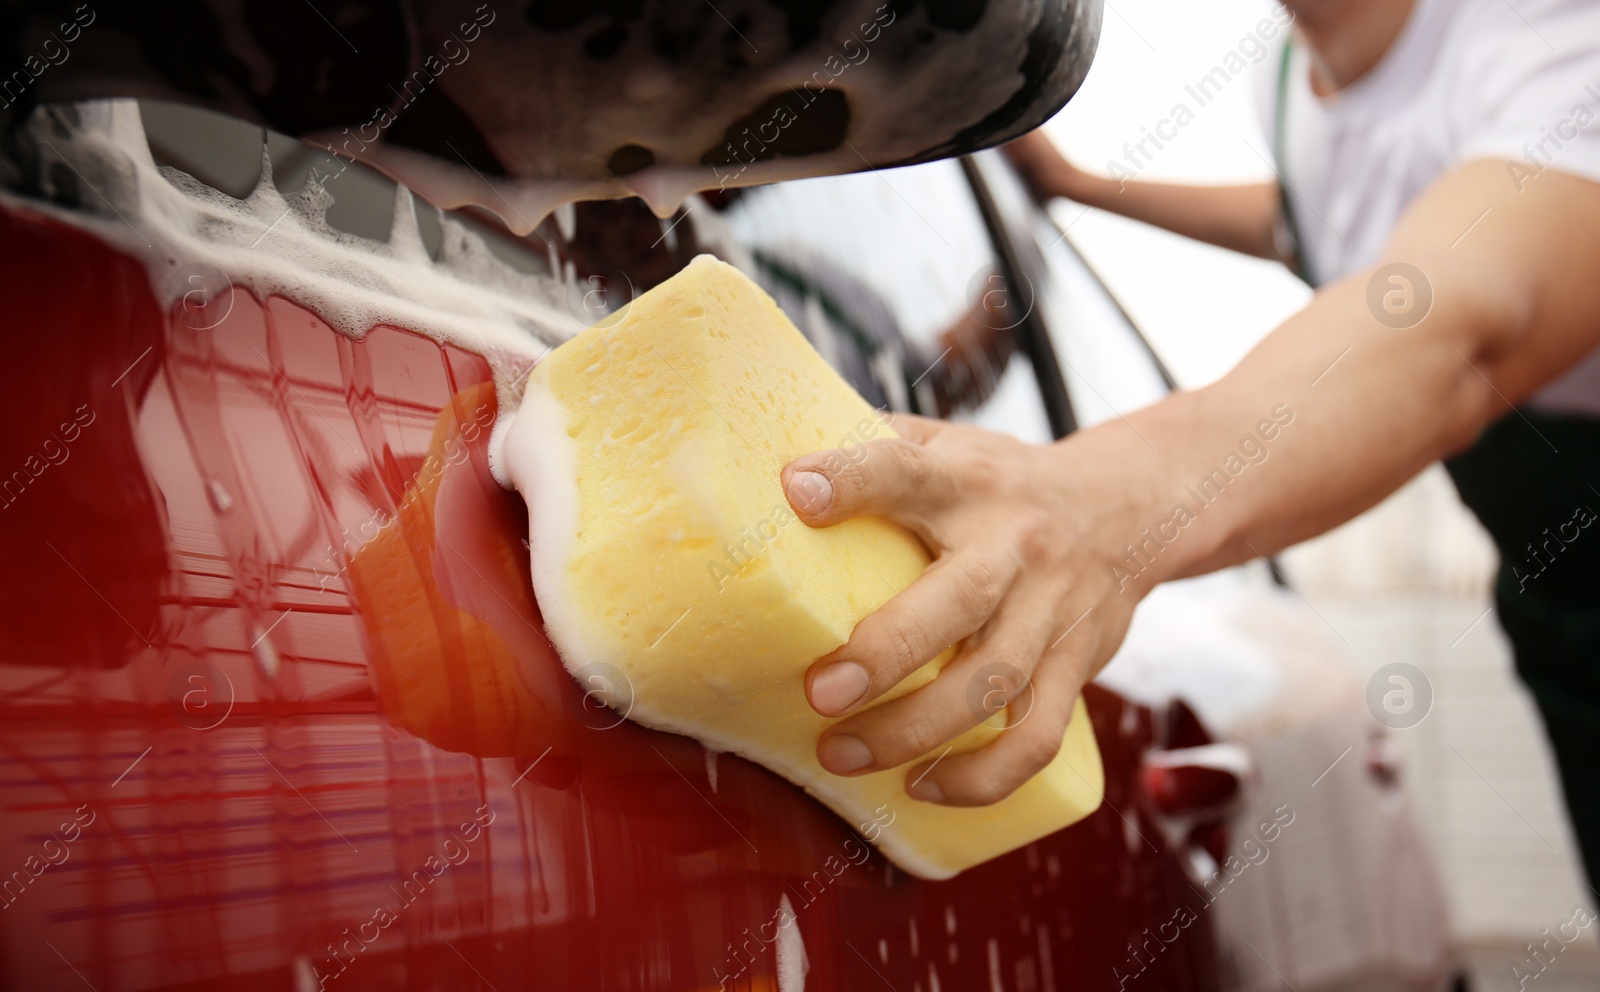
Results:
<point x="665" y="556"/>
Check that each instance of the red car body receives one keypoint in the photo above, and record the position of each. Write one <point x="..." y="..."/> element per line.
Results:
<point x="243" y="750"/>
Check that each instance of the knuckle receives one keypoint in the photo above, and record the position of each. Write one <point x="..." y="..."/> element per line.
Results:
<point x="916" y="738"/>
<point x="898" y="646"/>
<point x="1034" y="536"/>
<point x="848" y="475"/>
<point x="1041" y="746"/>
<point x="1017" y="680"/>
<point x="979" y="587"/>
<point x="988" y="789"/>
<point x="916" y="470"/>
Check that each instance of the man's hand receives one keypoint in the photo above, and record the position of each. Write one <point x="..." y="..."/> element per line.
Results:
<point x="1044" y="169"/>
<point x="1026" y="537"/>
<point x="1017" y="580"/>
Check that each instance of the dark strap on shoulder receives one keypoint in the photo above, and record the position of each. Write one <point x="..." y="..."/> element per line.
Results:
<point x="1288" y="228"/>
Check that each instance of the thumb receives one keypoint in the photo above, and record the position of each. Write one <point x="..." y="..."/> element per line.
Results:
<point x="915" y="428"/>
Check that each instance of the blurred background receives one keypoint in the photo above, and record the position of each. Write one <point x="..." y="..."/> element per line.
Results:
<point x="1409" y="580"/>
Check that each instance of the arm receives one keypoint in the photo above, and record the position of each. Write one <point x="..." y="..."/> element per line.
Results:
<point x="976" y="348"/>
<point x="1042" y="552"/>
<point x="1236" y="217"/>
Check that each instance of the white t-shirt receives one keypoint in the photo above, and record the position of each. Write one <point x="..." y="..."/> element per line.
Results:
<point x="1517" y="80"/>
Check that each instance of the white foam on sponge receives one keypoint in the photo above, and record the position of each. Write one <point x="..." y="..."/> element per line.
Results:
<point x="548" y="473"/>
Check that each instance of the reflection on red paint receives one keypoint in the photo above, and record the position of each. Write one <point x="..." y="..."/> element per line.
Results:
<point x="267" y="616"/>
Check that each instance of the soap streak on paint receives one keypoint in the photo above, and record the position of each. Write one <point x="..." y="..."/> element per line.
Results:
<point x="710" y="755"/>
<point x="854" y="851"/>
<point x="1127" y="823"/>
<point x="793" y="964"/>
<point x="1255" y="850"/>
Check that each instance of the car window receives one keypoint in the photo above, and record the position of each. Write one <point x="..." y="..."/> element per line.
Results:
<point x="893" y="273"/>
<point x="1107" y="368"/>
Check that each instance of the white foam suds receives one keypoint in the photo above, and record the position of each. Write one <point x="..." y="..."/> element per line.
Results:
<point x="711" y="765"/>
<point x="305" y="975"/>
<point x="523" y="203"/>
<point x="567" y="220"/>
<point x="266" y="655"/>
<point x="995" y="982"/>
<point x="548" y="472"/>
<point x="791" y="950"/>
<point x="274" y="245"/>
<point x="665" y="190"/>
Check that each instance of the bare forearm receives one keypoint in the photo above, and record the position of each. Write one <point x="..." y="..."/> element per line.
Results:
<point x="1235" y="217"/>
<point x="1328" y="416"/>
<point x="1364" y="398"/>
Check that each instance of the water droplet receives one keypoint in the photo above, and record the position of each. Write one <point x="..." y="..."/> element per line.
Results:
<point x="567" y="221"/>
<point x="711" y="766"/>
<point x="305" y="976"/>
<point x="266" y="654"/>
<point x="221" y="500"/>
<point x="791" y="950"/>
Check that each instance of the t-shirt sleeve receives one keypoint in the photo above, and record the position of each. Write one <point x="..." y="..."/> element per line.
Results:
<point x="1528" y="85"/>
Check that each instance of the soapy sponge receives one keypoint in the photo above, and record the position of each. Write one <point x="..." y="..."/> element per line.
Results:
<point x="666" y="558"/>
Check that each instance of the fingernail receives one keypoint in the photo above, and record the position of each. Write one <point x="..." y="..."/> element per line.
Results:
<point x="837" y="686"/>
<point x="810" y="492"/>
<point x="843" y="753"/>
<point x="926" y="790"/>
